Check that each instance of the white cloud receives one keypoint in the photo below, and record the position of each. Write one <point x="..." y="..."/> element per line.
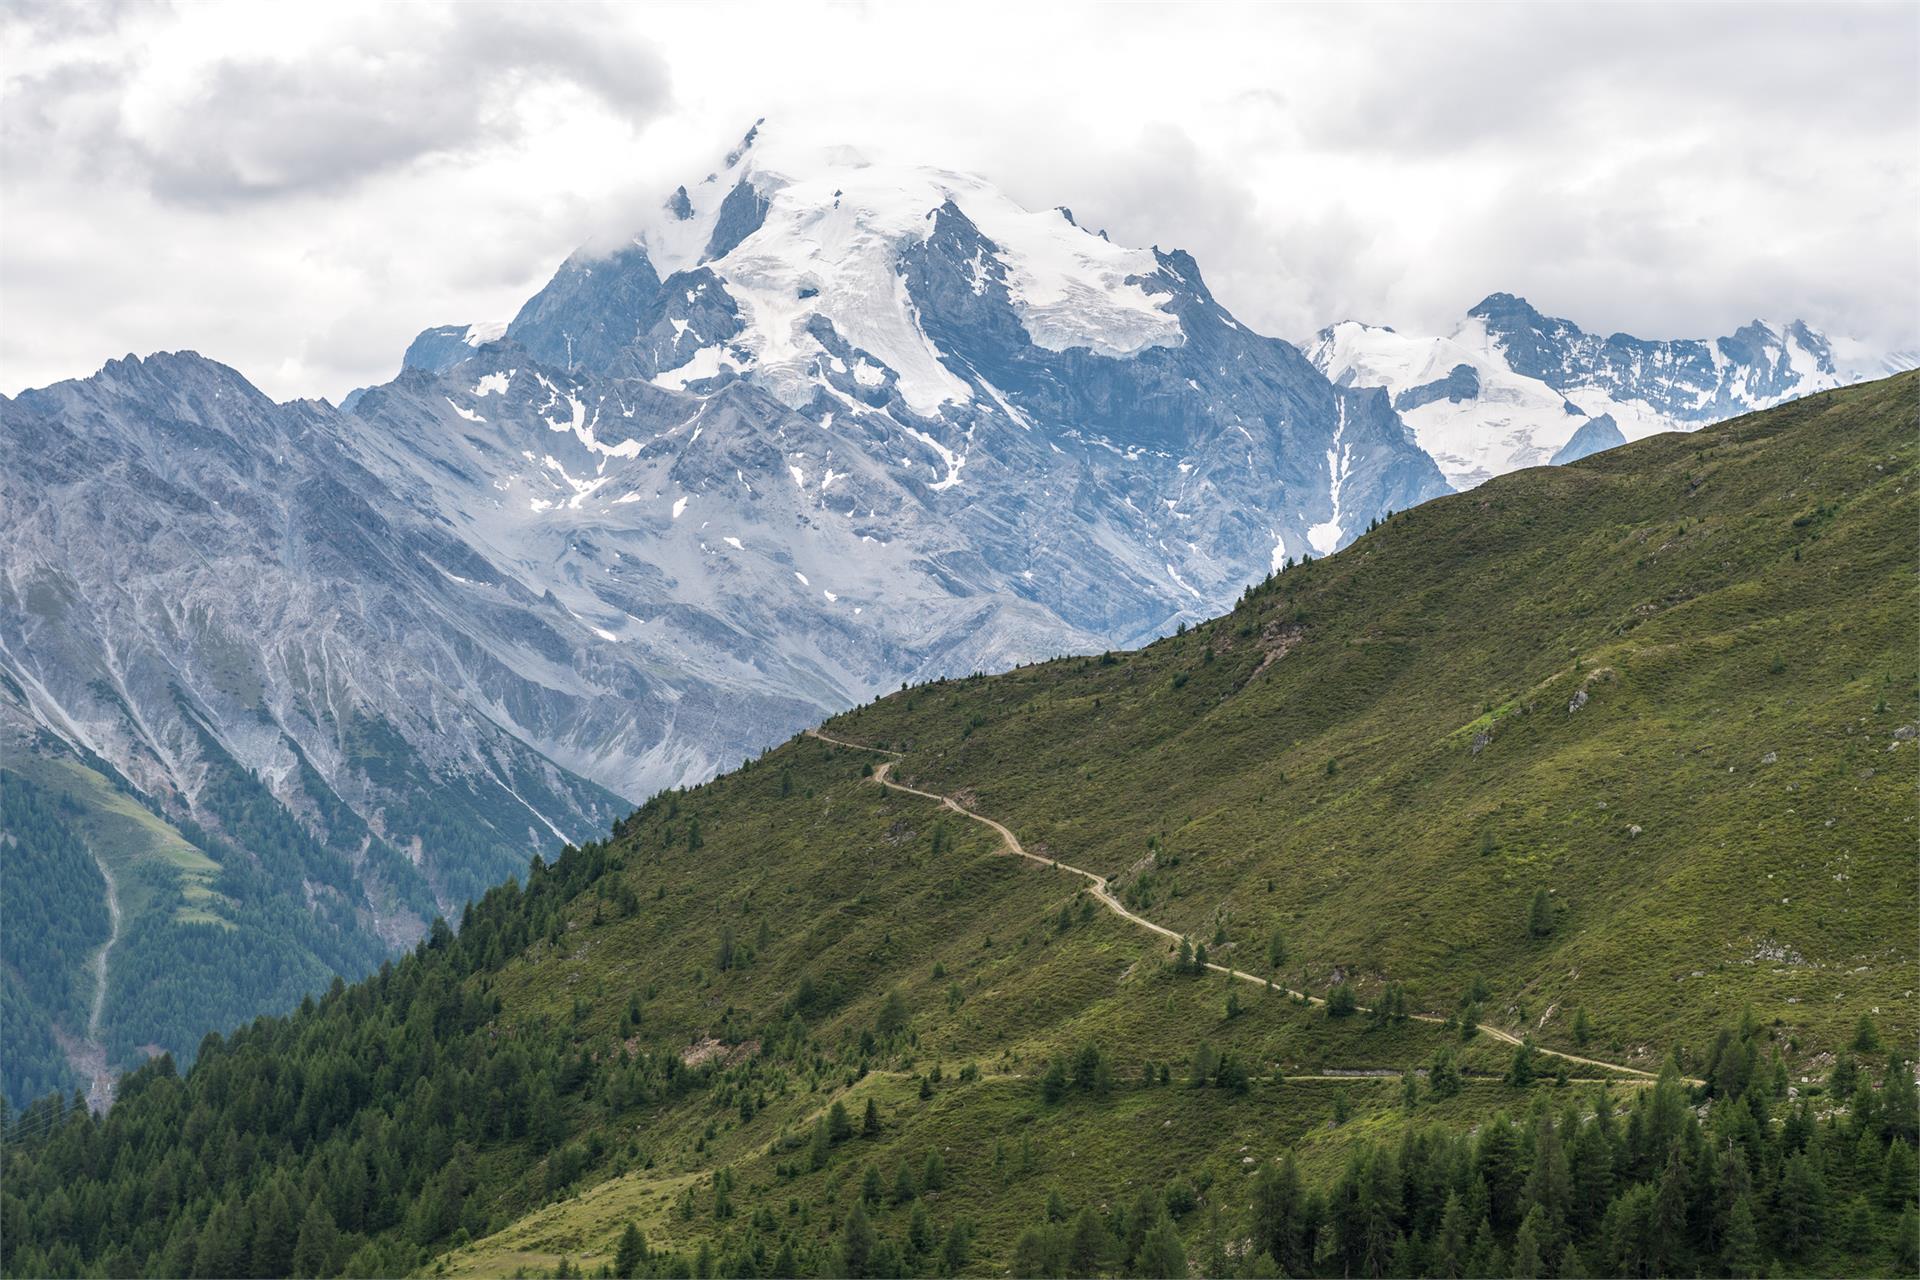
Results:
<point x="297" y="191"/>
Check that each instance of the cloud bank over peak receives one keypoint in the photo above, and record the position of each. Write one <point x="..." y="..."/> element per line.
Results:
<point x="299" y="190"/>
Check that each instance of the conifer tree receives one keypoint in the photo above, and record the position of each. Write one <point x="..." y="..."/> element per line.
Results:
<point x="1088" y="1243"/>
<point x="1899" y="1106"/>
<point x="314" y="1248"/>
<point x="1549" y="1186"/>
<point x="1453" y="1244"/>
<point x="956" y="1252"/>
<point x="1800" y="1210"/>
<point x="1866" y="1036"/>
<point x="919" y="1230"/>
<point x="1443" y="1077"/>
<point x="822" y="1144"/>
<point x="1161" y="1254"/>
<point x="1520" y="1071"/>
<point x="1526" y="1245"/>
<point x="631" y="1253"/>
<point x="1540" y="915"/>
<point x="1906" y="1241"/>
<point x="857" y="1241"/>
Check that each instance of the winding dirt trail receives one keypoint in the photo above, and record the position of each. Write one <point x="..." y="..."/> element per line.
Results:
<point x="1102" y="891"/>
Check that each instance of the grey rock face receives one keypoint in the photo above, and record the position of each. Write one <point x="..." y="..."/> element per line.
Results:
<point x="1595" y="435"/>
<point x="182" y="554"/>
<point x="1688" y="380"/>
<point x="1461" y="383"/>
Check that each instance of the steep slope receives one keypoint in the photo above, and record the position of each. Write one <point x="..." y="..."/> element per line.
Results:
<point x="1512" y="388"/>
<point x="1666" y="685"/>
<point x="682" y="1028"/>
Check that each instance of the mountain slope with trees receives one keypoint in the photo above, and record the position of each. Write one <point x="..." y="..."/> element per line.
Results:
<point x="791" y="1022"/>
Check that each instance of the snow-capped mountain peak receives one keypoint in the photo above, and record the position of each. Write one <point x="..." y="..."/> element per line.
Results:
<point x="802" y="235"/>
<point x="1465" y="406"/>
<point x="1512" y="387"/>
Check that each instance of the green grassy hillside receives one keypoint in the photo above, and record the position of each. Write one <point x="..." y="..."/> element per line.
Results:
<point x="794" y="1022"/>
<point x="1376" y="753"/>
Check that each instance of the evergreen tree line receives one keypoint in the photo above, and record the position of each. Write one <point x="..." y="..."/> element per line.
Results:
<point x="56" y="917"/>
<point x="348" y="1136"/>
<point x="1733" y="1178"/>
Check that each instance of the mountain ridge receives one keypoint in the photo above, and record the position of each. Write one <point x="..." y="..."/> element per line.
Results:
<point x="1510" y="386"/>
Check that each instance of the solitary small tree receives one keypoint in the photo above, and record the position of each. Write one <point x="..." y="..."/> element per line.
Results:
<point x="1053" y="1085"/>
<point x="1866" y="1036"/>
<point x="1205" y="1063"/>
<point x="1540" y="915"/>
<point x="1520" y="1073"/>
<point x="1443" y="1077"/>
<point x="1276" y="949"/>
<point x="893" y="1014"/>
<point x="1581" y="1032"/>
<point x="821" y="1146"/>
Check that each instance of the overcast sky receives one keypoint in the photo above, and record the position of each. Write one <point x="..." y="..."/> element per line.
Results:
<point x="297" y="191"/>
